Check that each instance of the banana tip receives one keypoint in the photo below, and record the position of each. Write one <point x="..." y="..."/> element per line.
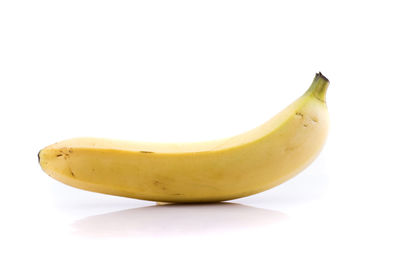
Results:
<point x="320" y="75"/>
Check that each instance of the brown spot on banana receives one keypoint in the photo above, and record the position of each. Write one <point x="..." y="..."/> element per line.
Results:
<point x="299" y="115"/>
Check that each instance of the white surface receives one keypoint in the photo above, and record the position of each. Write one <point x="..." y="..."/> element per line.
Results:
<point x="189" y="71"/>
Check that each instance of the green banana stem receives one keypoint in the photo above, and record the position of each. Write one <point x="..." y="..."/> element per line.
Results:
<point x="319" y="87"/>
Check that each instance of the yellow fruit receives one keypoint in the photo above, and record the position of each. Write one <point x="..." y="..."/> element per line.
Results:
<point x="218" y="170"/>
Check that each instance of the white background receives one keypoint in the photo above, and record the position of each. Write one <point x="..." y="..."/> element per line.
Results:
<point x="191" y="71"/>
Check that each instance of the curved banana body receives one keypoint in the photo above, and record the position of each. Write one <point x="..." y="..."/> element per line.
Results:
<point x="219" y="170"/>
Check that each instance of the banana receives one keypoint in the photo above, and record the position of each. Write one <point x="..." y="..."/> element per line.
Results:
<point x="219" y="170"/>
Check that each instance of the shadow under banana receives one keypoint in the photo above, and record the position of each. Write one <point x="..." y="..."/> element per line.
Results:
<point x="176" y="219"/>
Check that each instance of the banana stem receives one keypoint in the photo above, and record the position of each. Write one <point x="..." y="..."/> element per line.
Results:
<point x="319" y="87"/>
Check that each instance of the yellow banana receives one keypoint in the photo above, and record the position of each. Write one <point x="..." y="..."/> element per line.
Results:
<point x="218" y="170"/>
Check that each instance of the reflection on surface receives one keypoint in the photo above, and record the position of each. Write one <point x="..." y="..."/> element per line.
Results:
<point x="175" y="219"/>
